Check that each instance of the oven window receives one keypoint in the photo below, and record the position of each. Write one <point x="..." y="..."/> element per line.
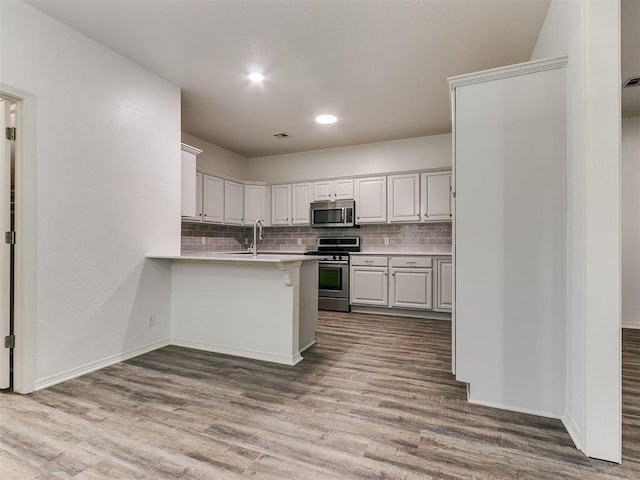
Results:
<point x="333" y="215"/>
<point x="330" y="278"/>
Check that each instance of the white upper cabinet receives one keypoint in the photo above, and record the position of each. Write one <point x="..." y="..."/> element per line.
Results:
<point x="255" y="203"/>
<point x="436" y="196"/>
<point x="403" y="201"/>
<point x="339" y="189"/>
<point x="233" y="203"/>
<point x="280" y="204"/>
<point x="300" y="200"/>
<point x="371" y="199"/>
<point x="405" y="197"/>
<point x="213" y="199"/>
<point x="323" y="190"/>
<point x="189" y="182"/>
<point x="343" y="189"/>
<point x="197" y="216"/>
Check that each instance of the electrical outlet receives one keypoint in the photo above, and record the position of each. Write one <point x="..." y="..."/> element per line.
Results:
<point x="299" y="241"/>
<point x="151" y="321"/>
<point x="386" y="240"/>
<point x="246" y="241"/>
<point x="204" y="241"/>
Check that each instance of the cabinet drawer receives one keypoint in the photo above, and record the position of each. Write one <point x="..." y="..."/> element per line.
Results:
<point x="411" y="261"/>
<point x="369" y="261"/>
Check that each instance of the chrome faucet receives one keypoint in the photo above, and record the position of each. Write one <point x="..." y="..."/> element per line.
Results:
<point x="256" y="224"/>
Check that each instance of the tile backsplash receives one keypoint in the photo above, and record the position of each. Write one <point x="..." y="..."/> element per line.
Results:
<point x="201" y="237"/>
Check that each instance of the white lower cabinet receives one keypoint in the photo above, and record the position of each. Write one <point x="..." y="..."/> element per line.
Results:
<point x="444" y="285"/>
<point x="411" y="282"/>
<point x="406" y="282"/>
<point x="369" y="282"/>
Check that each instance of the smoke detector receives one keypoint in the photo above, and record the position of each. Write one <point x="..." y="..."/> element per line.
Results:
<point x="631" y="82"/>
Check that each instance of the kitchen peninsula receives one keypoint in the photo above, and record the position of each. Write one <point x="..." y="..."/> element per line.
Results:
<point x="265" y="308"/>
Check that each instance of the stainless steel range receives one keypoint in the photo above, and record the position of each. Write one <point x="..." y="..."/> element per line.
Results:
<point x="333" y="271"/>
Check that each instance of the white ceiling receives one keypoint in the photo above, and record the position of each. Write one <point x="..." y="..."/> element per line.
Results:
<point x="381" y="66"/>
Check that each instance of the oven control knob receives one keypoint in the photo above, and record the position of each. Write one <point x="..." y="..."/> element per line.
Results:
<point x="335" y="258"/>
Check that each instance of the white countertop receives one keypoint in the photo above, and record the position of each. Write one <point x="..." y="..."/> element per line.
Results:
<point x="432" y="253"/>
<point x="268" y="257"/>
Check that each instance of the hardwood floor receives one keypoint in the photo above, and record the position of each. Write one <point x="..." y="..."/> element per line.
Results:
<point x="374" y="399"/>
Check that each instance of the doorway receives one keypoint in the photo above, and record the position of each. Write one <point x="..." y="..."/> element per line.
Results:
<point x="8" y="129"/>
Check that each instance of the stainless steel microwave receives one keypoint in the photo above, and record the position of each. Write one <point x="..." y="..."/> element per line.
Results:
<point x="340" y="213"/>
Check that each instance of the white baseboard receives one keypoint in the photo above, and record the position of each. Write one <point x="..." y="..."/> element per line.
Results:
<point x="402" y="312"/>
<point x="97" y="365"/>
<point x="573" y="429"/>
<point x="238" y="352"/>
<point x="631" y="325"/>
<point x="513" y="409"/>
<point x="308" y="346"/>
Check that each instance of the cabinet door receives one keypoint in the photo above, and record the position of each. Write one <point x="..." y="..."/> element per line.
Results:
<point x="322" y="190"/>
<point x="411" y="288"/>
<point x="280" y="204"/>
<point x="255" y="201"/>
<point x="343" y="189"/>
<point x="199" y="193"/>
<point x="213" y="199"/>
<point x="371" y="199"/>
<point x="436" y="196"/>
<point x="188" y="184"/>
<point x="301" y="198"/>
<point x="444" y="285"/>
<point x="368" y="285"/>
<point x="233" y="203"/>
<point x="197" y="215"/>
<point x="403" y="202"/>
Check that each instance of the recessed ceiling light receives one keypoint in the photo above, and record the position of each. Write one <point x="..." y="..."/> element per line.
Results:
<point x="256" y="77"/>
<point x="325" y="119"/>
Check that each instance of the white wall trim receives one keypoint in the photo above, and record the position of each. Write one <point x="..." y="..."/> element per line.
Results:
<point x="238" y="352"/>
<point x="634" y="325"/>
<point x="572" y="428"/>
<point x="98" y="364"/>
<point x="308" y="346"/>
<point x="538" y="413"/>
<point x="516" y="70"/>
<point x="190" y="149"/>
<point x="402" y="312"/>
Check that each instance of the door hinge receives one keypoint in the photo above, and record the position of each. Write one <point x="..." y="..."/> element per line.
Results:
<point x="10" y="133"/>
<point x="10" y="341"/>
<point x="10" y="237"/>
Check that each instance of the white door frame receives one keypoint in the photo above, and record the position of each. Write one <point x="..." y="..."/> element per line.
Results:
<point x="25" y="249"/>
<point x="5" y="250"/>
